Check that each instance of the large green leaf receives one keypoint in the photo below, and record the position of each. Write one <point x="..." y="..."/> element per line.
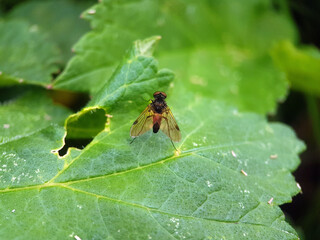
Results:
<point x="226" y="180"/>
<point x="300" y="65"/>
<point x="26" y="56"/>
<point x="230" y="39"/>
<point x="59" y="19"/>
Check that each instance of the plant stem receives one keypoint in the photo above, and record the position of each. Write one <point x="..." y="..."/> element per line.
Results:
<point x="313" y="111"/>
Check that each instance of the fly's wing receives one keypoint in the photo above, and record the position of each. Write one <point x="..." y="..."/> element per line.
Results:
<point x="169" y="126"/>
<point x="143" y="123"/>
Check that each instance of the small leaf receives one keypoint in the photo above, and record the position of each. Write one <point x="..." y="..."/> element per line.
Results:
<point x="137" y="75"/>
<point x="26" y="56"/>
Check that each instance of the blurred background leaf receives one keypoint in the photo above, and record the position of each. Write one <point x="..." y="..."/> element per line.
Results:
<point x="59" y="19"/>
<point x="208" y="42"/>
<point x="300" y="65"/>
<point x="26" y="55"/>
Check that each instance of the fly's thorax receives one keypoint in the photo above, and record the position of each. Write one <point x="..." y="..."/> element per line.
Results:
<point x="159" y="105"/>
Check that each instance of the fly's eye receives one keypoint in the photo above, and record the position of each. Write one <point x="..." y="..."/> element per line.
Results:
<point x="160" y="94"/>
<point x="156" y="94"/>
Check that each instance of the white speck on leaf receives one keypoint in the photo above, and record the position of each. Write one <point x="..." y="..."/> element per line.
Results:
<point x="173" y="219"/>
<point x="77" y="237"/>
<point x="233" y="153"/>
<point x="273" y="156"/>
<point x="20" y="80"/>
<point x="34" y="28"/>
<point x="79" y="206"/>
<point x="270" y="201"/>
<point x="6" y="126"/>
<point x="244" y="173"/>
<point x="92" y="11"/>
<point x="209" y="184"/>
<point x="235" y="112"/>
<point x="13" y="210"/>
<point x="38" y="170"/>
<point x="195" y="144"/>
<point x="298" y="185"/>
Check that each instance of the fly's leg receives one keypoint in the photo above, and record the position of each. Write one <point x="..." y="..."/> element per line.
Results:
<point x="133" y="140"/>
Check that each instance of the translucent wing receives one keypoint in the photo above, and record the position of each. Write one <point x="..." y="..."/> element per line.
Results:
<point x="169" y="126"/>
<point x="143" y="123"/>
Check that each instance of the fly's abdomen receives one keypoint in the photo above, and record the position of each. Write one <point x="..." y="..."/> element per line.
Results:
<point x="156" y="127"/>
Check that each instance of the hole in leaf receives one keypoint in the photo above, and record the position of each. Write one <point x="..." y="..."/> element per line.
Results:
<point x="82" y="127"/>
<point x="77" y="143"/>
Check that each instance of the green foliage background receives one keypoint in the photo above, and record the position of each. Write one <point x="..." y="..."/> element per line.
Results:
<point x="224" y="66"/>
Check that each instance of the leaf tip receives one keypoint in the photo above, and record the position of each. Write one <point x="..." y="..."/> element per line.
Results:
<point x="147" y="46"/>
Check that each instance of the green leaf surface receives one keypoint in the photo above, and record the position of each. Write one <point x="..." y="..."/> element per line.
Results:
<point x="226" y="180"/>
<point x="200" y="33"/>
<point x="26" y="56"/>
<point x="28" y="114"/>
<point x="30" y="130"/>
<point x="300" y="65"/>
<point x="60" y="19"/>
<point x="139" y="190"/>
